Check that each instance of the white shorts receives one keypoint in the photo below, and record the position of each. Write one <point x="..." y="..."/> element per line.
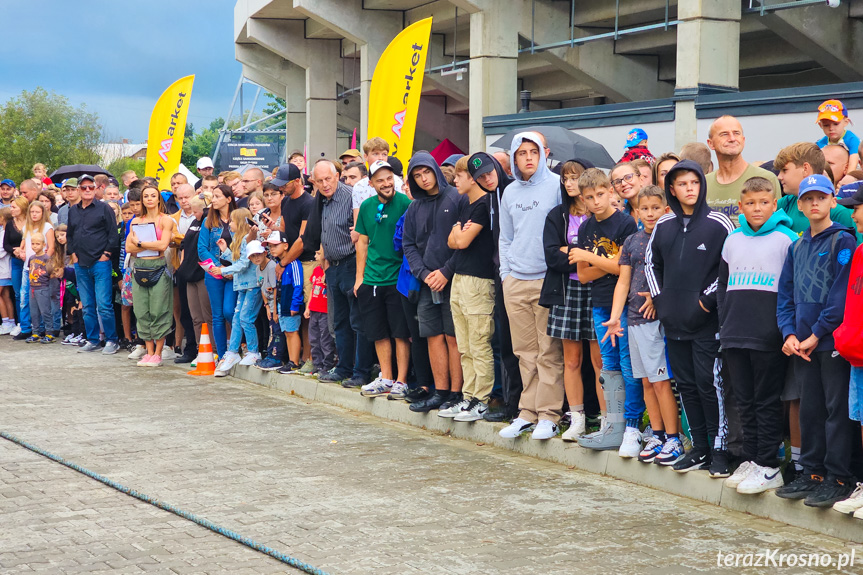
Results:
<point x="647" y="351"/>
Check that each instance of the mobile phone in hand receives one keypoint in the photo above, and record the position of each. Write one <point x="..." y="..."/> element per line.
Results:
<point x="252" y="223"/>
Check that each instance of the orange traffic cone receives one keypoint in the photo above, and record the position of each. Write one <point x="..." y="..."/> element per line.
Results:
<point x="206" y="363"/>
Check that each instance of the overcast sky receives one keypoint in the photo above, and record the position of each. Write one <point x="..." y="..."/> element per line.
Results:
<point x="117" y="57"/>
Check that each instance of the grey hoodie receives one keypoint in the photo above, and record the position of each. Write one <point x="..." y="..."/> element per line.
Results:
<point x="523" y="209"/>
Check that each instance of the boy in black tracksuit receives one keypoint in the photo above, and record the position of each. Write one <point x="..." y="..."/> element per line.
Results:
<point x="682" y="269"/>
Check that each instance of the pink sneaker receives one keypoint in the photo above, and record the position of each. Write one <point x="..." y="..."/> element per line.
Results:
<point x="155" y="361"/>
<point x="144" y="361"/>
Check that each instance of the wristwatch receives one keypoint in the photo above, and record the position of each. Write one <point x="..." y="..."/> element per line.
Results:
<point x="139" y="244"/>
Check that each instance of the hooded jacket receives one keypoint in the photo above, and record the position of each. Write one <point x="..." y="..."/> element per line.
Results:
<point x="523" y="209"/>
<point x="812" y="286"/>
<point x="428" y="222"/>
<point x="749" y="281"/>
<point x="503" y="180"/>
<point x="682" y="262"/>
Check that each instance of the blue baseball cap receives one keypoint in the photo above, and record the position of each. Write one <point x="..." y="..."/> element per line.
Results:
<point x="7" y="182"/>
<point x="635" y="137"/>
<point x="816" y="183"/>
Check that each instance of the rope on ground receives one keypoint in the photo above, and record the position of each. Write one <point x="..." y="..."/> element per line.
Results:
<point x="287" y="559"/>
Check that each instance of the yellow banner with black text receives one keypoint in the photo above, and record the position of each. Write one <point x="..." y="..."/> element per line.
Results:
<point x="167" y="129"/>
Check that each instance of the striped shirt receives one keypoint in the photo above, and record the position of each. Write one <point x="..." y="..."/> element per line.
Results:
<point x="337" y="217"/>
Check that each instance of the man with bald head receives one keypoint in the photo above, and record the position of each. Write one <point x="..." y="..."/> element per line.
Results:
<point x="329" y="226"/>
<point x="253" y="181"/>
<point x="726" y="139"/>
<point x="30" y="189"/>
<point x="503" y="159"/>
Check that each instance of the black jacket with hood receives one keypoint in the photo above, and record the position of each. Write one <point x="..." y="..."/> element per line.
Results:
<point x="682" y="263"/>
<point x="503" y="180"/>
<point x="428" y="222"/>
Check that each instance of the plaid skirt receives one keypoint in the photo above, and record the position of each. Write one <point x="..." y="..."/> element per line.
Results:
<point x="574" y="319"/>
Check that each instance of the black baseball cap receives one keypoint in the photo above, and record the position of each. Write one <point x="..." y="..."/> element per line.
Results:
<point x="480" y="163"/>
<point x="855" y="200"/>
<point x="287" y="173"/>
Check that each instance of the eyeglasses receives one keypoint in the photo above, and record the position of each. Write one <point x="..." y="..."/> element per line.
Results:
<point x="86" y="188"/>
<point x="380" y="215"/>
<point x="627" y="178"/>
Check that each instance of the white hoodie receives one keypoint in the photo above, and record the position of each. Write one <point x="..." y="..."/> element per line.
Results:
<point x="523" y="209"/>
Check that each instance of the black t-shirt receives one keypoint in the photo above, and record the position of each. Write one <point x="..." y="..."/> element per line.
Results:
<point x="476" y="260"/>
<point x="605" y="239"/>
<point x="294" y="213"/>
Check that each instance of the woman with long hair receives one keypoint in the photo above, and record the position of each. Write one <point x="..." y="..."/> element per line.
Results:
<point x="223" y="299"/>
<point x="152" y="289"/>
<point x="12" y="245"/>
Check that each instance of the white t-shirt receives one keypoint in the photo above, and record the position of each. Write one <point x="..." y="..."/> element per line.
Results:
<point x="28" y="249"/>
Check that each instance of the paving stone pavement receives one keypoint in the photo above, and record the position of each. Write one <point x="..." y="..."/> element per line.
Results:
<point x="346" y="492"/>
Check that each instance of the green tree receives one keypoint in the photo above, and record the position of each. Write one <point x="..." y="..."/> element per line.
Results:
<point x="200" y="144"/>
<point x="44" y="127"/>
<point x="120" y="165"/>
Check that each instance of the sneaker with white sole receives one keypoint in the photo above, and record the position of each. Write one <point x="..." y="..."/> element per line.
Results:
<point x="110" y="348"/>
<point x="137" y="353"/>
<point x="168" y="353"/>
<point x="232" y="358"/>
<point x="15" y="330"/>
<point x="742" y="472"/>
<point x="652" y="448"/>
<point x="545" y="429"/>
<point x="672" y="450"/>
<point x="6" y="328"/>
<point x="398" y="390"/>
<point x="761" y="479"/>
<point x="631" y="446"/>
<point x="250" y="358"/>
<point x="578" y="423"/>
<point x="307" y="368"/>
<point x="378" y="387"/>
<point x="453" y="410"/>
<point x="475" y="411"/>
<point x="194" y="363"/>
<point x="516" y="428"/>
<point x="853" y="503"/>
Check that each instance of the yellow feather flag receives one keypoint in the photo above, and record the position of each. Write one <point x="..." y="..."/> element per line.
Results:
<point x="394" y="96"/>
<point x="167" y="128"/>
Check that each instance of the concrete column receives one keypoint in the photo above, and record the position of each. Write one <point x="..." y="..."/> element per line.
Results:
<point x="295" y="105"/>
<point x="321" y="112"/>
<point x="493" y="68"/>
<point x="370" y="53"/>
<point x="708" y="58"/>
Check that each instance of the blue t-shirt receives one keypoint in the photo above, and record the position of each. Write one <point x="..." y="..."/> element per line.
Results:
<point x="849" y="138"/>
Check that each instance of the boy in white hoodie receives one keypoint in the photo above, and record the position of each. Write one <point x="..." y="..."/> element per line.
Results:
<point x="524" y="206"/>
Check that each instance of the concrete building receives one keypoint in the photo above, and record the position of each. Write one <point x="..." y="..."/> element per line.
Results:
<point x="598" y="66"/>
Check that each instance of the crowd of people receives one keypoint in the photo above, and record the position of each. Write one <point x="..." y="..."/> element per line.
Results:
<point x="477" y="289"/>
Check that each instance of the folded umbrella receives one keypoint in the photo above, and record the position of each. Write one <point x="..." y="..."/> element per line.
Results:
<point x="563" y="145"/>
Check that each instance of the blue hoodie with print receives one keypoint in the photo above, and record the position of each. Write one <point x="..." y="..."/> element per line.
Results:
<point x="813" y="283"/>
<point x="523" y="208"/>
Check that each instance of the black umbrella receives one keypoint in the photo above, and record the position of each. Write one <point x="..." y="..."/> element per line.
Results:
<point x="564" y="145"/>
<point x="78" y="170"/>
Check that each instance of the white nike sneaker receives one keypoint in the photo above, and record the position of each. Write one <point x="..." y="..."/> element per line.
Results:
<point x="631" y="446"/>
<point x="250" y="358"/>
<point x="761" y="479"/>
<point x="516" y="428"/>
<point x="545" y="429"/>
<point x="742" y="472"/>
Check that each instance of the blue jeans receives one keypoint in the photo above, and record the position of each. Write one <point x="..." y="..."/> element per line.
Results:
<point x="248" y="305"/>
<point x="356" y="353"/>
<point x="23" y="314"/>
<point x="223" y="300"/>
<point x="96" y="292"/>
<point x="616" y="358"/>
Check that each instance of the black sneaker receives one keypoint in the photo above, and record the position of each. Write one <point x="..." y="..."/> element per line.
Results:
<point x="720" y="464"/>
<point x="331" y="376"/>
<point x="801" y="488"/>
<point x="428" y="404"/>
<point x="417" y="394"/>
<point x="695" y="459"/>
<point x="829" y="492"/>
<point x="455" y="397"/>
<point x="496" y="413"/>
<point x="354" y="382"/>
<point x="289" y="367"/>
<point x="22" y="336"/>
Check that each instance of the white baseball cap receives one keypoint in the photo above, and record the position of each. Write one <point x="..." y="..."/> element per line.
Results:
<point x="254" y="247"/>
<point x="380" y="164"/>
<point x="204" y="163"/>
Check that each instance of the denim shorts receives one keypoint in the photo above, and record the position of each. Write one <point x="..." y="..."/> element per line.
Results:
<point x="290" y="323"/>
<point x="855" y="394"/>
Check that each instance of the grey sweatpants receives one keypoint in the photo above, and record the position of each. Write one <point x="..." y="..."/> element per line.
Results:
<point x="321" y="342"/>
